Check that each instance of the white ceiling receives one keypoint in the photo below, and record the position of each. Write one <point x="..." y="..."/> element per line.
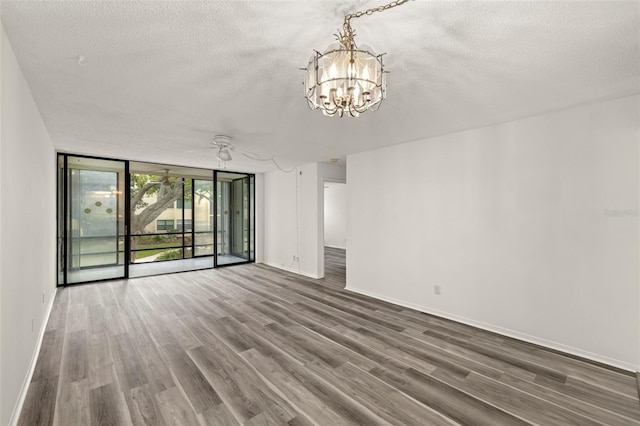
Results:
<point x="161" y="78"/>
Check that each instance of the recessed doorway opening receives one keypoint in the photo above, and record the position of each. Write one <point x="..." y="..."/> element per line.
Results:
<point x="335" y="233"/>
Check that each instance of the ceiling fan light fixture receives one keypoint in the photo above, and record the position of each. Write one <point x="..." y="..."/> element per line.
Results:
<point x="224" y="154"/>
<point x="223" y="143"/>
<point x="347" y="80"/>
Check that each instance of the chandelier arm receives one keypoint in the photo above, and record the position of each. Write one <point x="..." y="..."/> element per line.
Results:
<point x="332" y="95"/>
<point x="326" y="107"/>
<point x="361" y="108"/>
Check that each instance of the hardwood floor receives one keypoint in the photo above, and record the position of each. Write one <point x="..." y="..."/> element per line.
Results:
<point x="335" y="267"/>
<point x="254" y="345"/>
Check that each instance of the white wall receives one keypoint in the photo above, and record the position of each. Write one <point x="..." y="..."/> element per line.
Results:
<point x="514" y="222"/>
<point x="293" y="217"/>
<point x="27" y="228"/>
<point x="335" y="215"/>
<point x="2" y="42"/>
<point x="289" y="201"/>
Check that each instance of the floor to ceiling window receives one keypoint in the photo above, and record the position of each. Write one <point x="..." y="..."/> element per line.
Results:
<point x="121" y="219"/>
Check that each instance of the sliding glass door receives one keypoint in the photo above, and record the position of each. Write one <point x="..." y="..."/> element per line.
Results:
<point x="171" y="218"/>
<point x="234" y="218"/>
<point x="94" y="226"/>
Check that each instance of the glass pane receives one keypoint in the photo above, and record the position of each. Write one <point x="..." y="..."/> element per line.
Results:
<point x="203" y="243"/>
<point x="95" y="219"/>
<point x="203" y="205"/>
<point x="203" y="217"/>
<point x="222" y="219"/>
<point x="157" y="219"/>
<point x="156" y="247"/>
<point x="238" y="212"/>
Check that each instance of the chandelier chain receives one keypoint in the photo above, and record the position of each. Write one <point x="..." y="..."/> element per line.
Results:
<point x="382" y="8"/>
<point x="346" y="38"/>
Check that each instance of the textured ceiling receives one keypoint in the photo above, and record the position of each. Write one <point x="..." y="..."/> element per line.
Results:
<point x="159" y="79"/>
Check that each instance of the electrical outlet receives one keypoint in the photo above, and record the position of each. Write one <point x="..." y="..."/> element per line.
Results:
<point x="33" y="324"/>
<point x="43" y="297"/>
<point x="436" y="289"/>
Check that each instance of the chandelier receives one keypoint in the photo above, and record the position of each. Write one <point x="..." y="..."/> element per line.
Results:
<point x="347" y="80"/>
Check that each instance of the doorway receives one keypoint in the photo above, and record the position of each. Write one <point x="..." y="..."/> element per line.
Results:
<point x="335" y="232"/>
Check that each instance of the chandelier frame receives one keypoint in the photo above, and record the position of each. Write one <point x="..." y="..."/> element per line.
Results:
<point x="348" y="94"/>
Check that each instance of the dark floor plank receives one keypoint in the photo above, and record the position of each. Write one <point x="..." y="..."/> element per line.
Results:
<point x="239" y="386"/>
<point x="315" y="400"/>
<point x="514" y="401"/>
<point x="39" y="405"/>
<point x="108" y="407"/>
<point x="180" y="332"/>
<point x="624" y="405"/>
<point x="77" y="317"/>
<point x="218" y="416"/>
<point x="447" y="400"/>
<point x="48" y="364"/>
<point x="72" y="404"/>
<point x="198" y="390"/>
<point x="143" y="407"/>
<point x="128" y="362"/>
<point x="175" y="409"/>
<point x="58" y="317"/>
<point x="578" y="406"/>
<point x="75" y="361"/>
<point x="382" y="399"/>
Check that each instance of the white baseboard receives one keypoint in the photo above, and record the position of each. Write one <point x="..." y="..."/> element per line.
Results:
<point x="505" y="332"/>
<point x="295" y="271"/>
<point x="15" y="415"/>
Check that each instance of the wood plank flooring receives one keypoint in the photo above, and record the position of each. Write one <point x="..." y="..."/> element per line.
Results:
<point x="252" y="345"/>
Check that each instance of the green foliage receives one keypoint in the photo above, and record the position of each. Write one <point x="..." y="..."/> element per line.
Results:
<point x="150" y="196"/>
<point x="170" y="255"/>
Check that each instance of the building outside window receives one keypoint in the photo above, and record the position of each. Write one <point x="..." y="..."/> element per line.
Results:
<point x="164" y="225"/>
<point x="187" y="223"/>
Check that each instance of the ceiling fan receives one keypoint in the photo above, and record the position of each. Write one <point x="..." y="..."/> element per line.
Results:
<point x="223" y="144"/>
